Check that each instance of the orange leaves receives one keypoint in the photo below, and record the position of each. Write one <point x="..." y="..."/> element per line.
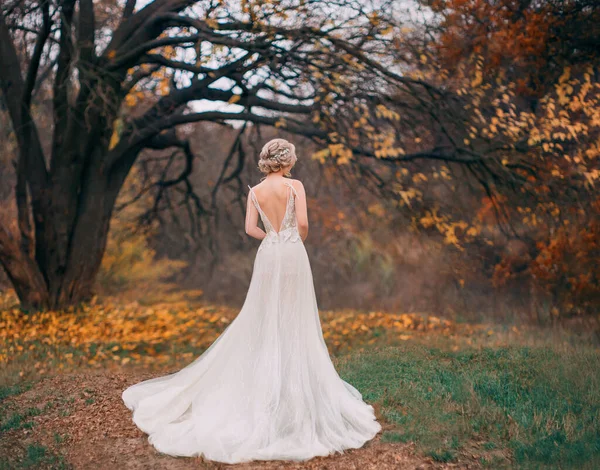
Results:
<point x="116" y="135"/>
<point x="495" y="31"/>
<point x="338" y="151"/>
<point x="383" y="111"/>
<point x="111" y="332"/>
<point x="345" y="330"/>
<point x="116" y="333"/>
<point x="455" y="232"/>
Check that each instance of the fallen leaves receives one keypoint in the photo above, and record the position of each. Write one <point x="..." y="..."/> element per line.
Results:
<point x="130" y="333"/>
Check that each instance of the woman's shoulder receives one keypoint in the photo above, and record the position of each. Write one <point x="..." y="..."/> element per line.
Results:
<point x="257" y="186"/>
<point x="297" y="184"/>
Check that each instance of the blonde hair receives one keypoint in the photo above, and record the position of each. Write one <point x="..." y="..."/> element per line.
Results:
<point x="275" y="155"/>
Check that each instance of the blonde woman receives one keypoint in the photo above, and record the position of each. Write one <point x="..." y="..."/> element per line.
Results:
<point x="266" y="389"/>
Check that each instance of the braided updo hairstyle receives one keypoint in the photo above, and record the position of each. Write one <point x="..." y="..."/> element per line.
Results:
<point x="275" y="155"/>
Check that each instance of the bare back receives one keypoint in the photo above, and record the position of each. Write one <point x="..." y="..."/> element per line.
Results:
<point x="272" y="197"/>
<point x="281" y="204"/>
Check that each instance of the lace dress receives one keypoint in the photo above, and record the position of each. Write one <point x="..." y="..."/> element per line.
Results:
<point x="266" y="389"/>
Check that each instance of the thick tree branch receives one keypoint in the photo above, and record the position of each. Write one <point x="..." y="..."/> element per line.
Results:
<point x="13" y="88"/>
<point x="129" y="7"/>
<point x="63" y="73"/>
<point x="32" y="70"/>
<point x="87" y="29"/>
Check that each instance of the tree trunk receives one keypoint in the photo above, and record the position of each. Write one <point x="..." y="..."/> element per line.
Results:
<point x="23" y="273"/>
<point x="69" y="280"/>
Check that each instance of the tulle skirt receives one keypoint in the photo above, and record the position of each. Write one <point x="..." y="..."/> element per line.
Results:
<point x="266" y="389"/>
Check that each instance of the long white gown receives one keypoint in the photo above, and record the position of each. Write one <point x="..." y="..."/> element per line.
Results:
<point x="266" y="389"/>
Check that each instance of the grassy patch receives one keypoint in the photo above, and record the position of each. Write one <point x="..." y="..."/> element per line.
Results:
<point x="538" y="406"/>
<point x="10" y="390"/>
<point x="19" y="420"/>
<point x="505" y="395"/>
<point x="35" y="456"/>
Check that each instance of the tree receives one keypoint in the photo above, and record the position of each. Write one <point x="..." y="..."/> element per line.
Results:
<point x="120" y="81"/>
<point x="528" y="73"/>
<point x="282" y="63"/>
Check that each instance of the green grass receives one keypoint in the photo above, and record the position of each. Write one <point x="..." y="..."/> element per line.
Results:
<point x="36" y="456"/>
<point x="534" y="404"/>
<point x="19" y="420"/>
<point x="7" y="391"/>
<point x="532" y="407"/>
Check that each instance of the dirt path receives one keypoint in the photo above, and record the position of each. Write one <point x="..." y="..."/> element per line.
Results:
<point x="82" y="418"/>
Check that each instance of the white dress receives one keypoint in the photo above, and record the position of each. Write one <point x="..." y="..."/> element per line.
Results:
<point x="266" y="389"/>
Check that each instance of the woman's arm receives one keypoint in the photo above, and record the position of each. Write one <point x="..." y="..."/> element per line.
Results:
<point x="252" y="227"/>
<point x="301" y="209"/>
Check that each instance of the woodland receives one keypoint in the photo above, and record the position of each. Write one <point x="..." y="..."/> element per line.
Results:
<point x="450" y="148"/>
<point x="450" y="151"/>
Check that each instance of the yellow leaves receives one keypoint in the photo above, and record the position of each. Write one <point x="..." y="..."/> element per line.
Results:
<point x="591" y="176"/>
<point x="234" y="99"/>
<point x="376" y="209"/>
<point x="565" y="75"/>
<point x="342" y="153"/>
<point x="280" y="123"/>
<point x="473" y="231"/>
<point x="321" y="155"/>
<point x="566" y="120"/>
<point x="163" y="87"/>
<point x="391" y="152"/>
<point x="374" y="18"/>
<point x="478" y="80"/>
<point x="352" y="61"/>
<point x="347" y="329"/>
<point x="116" y="135"/>
<point x="211" y="23"/>
<point x="128" y="333"/>
<point x="418" y="177"/>
<point x="111" y="331"/>
<point x="130" y="100"/>
<point x="451" y="230"/>
<point x="362" y="121"/>
<point x="409" y="194"/>
<point x="430" y="219"/>
<point x="382" y="111"/>
<point x="450" y="236"/>
<point x="387" y="30"/>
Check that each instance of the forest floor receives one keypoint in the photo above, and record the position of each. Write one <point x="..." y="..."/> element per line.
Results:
<point x="78" y="420"/>
<point x="449" y="395"/>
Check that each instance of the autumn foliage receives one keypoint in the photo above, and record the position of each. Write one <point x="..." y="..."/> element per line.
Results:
<point x="460" y="149"/>
<point x="120" y="333"/>
<point x="524" y="114"/>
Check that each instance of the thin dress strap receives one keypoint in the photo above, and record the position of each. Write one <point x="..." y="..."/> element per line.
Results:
<point x="254" y="200"/>
<point x="287" y="183"/>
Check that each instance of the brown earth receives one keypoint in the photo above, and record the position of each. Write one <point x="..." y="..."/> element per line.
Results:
<point x="84" y="420"/>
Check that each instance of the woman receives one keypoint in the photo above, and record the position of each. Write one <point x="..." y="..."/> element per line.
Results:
<point x="266" y="389"/>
